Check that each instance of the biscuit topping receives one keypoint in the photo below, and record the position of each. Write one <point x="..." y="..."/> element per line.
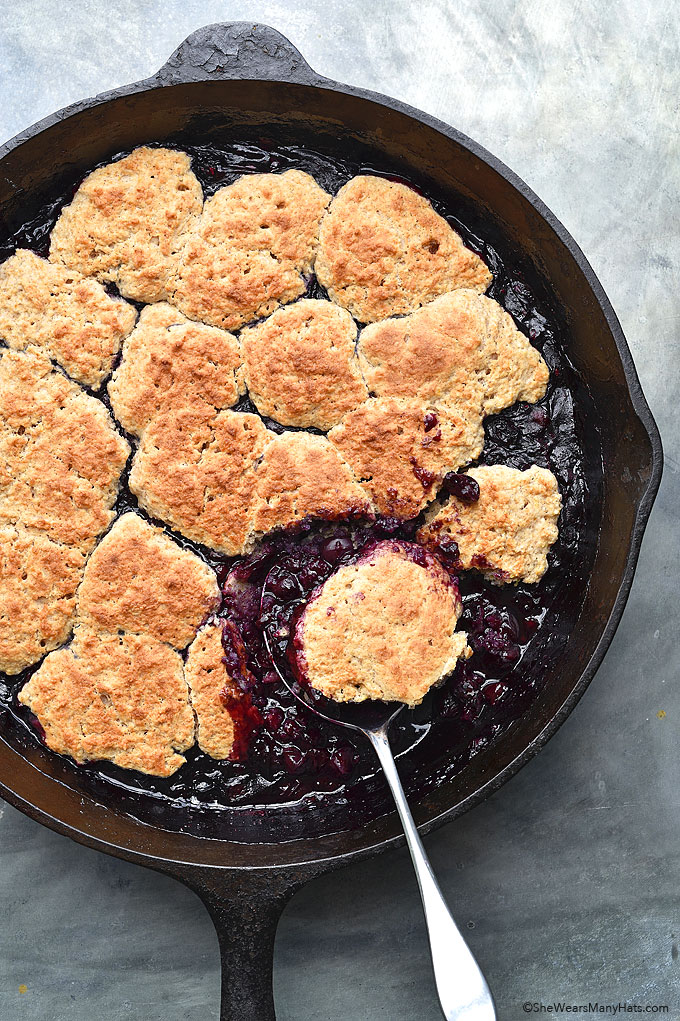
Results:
<point x="38" y="582"/>
<point x="195" y="469"/>
<point x="251" y="248"/>
<point x="170" y="362"/>
<point x="303" y="476"/>
<point x="139" y="580"/>
<point x="462" y="349"/>
<point x="383" y="627"/>
<point x="68" y="316"/>
<point x="61" y="457"/>
<point x="506" y="533"/>
<point x="128" y="220"/>
<point x="118" y="691"/>
<point x="399" y="449"/>
<point x="384" y="251"/>
<point x="300" y="366"/>
<point x="118" y="697"/>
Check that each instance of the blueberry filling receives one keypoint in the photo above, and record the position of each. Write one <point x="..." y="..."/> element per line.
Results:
<point x="462" y="486"/>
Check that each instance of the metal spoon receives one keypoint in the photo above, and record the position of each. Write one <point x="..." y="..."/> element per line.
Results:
<point x="461" y="987"/>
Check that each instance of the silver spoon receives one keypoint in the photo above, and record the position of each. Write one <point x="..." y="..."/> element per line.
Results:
<point x="461" y="987"/>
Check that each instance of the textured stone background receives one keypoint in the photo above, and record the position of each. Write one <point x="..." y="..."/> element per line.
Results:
<point x="568" y="880"/>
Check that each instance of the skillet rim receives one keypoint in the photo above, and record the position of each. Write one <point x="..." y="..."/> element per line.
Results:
<point x="177" y="72"/>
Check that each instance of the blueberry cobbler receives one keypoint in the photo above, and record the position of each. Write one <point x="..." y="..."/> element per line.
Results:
<point x="220" y="367"/>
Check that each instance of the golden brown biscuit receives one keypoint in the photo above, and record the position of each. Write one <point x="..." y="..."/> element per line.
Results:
<point x="68" y="316"/>
<point x="303" y="476"/>
<point x="30" y="390"/>
<point x="38" y="582"/>
<point x="195" y="469"/>
<point x="507" y="533"/>
<point x="383" y="251"/>
<point x="255" y="240"/>
<point x="118" y="697"/>
<point x="60" y="455"/>
<point x="169" y="362"/>
<point x="300" y="365"/>
<point x="462" y="348"/>
<point x="207" y="677"/>
<point x="277" y="213"/>
<point x="138" y="579"/>
<point x="128" y="220"/>
<point x="382" y="628"/>
<point x="513" y="370"/>
<point x="227" y="287"/>
<point x="399" y="450"/>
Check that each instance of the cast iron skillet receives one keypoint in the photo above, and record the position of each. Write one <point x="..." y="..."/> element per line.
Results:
<point x="244" y="77"/>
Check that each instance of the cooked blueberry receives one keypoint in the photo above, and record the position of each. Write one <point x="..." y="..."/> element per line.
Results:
<point x="335" y="548"/>
<point x="462" y="486"/>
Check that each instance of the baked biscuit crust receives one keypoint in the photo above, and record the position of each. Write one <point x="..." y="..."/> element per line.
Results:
<point x="301" y="476"/>
<point x="139" y="580"/>
<point x="119" y="691"/>
<point x="195" y="469"/>
<point x="68" y="316"/>
<point x="300" y="365"/>
<point x="128" y="221"/>
<point x="117" y="697"/>
<point x="400" y="449"/>
<point x="207" y="677"/>
<point x="255" y="240"/>
<point x="462" y="349"/>
<point x="384" y="251"/>
<point x="382" y="628"/>
<point x="61" y="457"/>
<point x="507" y="533"/>
<point x="170" y="362"/>
<point x="38" y="582"/>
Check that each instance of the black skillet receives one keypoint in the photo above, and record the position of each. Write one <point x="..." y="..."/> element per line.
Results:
<point x="248" y="78"/>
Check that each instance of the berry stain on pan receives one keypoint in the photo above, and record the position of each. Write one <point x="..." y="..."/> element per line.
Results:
<point x="288" y="755"/>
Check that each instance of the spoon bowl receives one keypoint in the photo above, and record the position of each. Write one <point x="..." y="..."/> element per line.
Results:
<point x="365" y="717"/>
<point x="277" y="630"/>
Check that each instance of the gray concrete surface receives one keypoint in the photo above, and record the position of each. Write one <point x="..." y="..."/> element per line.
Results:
<point x="568" y="879"/>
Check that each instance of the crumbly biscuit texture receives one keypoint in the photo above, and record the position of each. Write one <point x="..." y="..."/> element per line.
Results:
<point x="207" y="676"/>
<point x="382" y="628"/>
<point x="400" y="449"/>
<point x="117" y="697"/>
<point x="60" y="455"/>
<point x="140" y="580"/>
<point x="168" y="363"/>
<point x="38" y="582"/>
<point x="462" y="348"/>
<point x="255" y="241"/>
<point x="512" y="369"/>
<point x="128" y="221"/>
<point x="68" y="316"/>
<point x="384" y="251"/>
<point x="508" y="532"/>
<point x="302" y="476"/>
<point x="225" y="287"/>
<point x="300" y="365"/>
<point x="195" y="469"/>
<point x="278" y="213"/>
<point x="30" y="390"/>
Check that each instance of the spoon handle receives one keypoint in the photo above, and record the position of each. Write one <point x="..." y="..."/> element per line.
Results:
<point x="461" y="987"/>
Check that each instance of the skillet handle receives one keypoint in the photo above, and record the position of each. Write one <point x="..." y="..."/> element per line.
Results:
<point x="236" y="49"/>
<point x="245" y="908"/>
